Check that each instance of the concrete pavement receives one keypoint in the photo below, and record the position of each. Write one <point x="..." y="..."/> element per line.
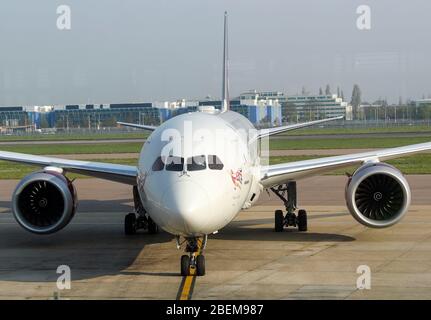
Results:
<point x="245" y="260"/>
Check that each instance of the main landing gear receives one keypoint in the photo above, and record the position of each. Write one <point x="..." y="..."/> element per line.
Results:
<point x="194" y="262"/>
<point x="139" y="219"/>
<point x="287" y="193"/>
<point x="134" y="222"/>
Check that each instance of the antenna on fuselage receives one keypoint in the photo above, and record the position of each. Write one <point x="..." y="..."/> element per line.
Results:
<point x="225" y="103"/>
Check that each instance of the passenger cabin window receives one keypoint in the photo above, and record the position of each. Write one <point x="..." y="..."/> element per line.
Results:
<point x="174" y="163"/>
<point x="196" y="163"/>
<point x="214" y="163"/>
<point x="159" y="164"/>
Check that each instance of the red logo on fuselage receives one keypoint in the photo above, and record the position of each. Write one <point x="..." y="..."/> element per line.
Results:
<point x="236" y="178"/>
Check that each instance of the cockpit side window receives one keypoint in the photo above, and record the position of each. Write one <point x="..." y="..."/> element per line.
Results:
<point x="174" y="163"/>
<point x="214" y="162"/>
<point x="159" y="164"/>
<point x="196" y="163"/>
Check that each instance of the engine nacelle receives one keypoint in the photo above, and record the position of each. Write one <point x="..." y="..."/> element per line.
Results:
<point x="44" y="202"/>
<point x="378" y="195"/>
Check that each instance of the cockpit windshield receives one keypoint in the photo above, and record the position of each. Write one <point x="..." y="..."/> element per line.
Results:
<point x="196" y="163"/>
<point x="174" y="163"/>
<point x="214" y="163"/>
<point x="159" y="164"/>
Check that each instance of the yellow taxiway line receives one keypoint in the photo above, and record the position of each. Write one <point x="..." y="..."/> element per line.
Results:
<point x="186" y="288"/>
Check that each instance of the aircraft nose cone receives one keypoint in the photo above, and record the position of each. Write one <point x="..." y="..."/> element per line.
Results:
<point x="188" y="206"/>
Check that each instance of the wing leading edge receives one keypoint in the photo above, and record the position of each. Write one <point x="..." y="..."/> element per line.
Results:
<point x="280" y="173"/>
<point x="108" y="171"/>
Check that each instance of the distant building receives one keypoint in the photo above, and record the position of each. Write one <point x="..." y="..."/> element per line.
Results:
<point x="280" y="96"/>
<point x="422" y="103"/>
<point x="314" y="107"/>
<point x="92" y="116"/>
<point x="13" y="116"/>
<point x="371" y="110"/>
<point x="263" y="108"/>
<point x="104" y="115"/>
<point x="169" y="109"/>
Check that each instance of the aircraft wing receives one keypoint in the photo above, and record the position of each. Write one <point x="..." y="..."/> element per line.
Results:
<point x="276" y="130"/>
<point x="138" y="126"/>
<point x="108" y="171"/>
<point x="281" y="173"/>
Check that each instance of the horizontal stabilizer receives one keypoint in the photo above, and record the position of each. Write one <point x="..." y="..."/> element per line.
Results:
<point x="271" y="131"/>
<point x="139" y="126"/>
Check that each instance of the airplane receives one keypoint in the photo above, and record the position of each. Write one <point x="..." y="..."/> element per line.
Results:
<point x="193" y="194"/>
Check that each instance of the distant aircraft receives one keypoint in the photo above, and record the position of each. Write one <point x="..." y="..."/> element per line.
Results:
<point x="190" y="187"/>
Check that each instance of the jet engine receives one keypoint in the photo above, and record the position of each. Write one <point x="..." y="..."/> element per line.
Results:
<point x="44" y="202"/>
<point x="378" y="195"/>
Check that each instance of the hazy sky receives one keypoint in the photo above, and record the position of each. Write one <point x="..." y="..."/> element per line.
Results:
<point x="135" y="50"/>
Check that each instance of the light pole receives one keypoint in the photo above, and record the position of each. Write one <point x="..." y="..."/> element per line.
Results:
<point x="395" y="113"/>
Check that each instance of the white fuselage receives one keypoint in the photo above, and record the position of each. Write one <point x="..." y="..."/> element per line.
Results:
<point x="192" y="199"/>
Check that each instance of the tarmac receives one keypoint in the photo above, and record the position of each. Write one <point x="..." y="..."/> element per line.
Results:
<point x="245" y="260"/>
<point x="288" y="136"/>
<point x="272" y="153"/>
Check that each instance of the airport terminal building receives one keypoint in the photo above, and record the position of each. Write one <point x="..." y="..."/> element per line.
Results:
<point x="259" y="109"/>
<point x="89" y="116"/>
<point x="268" y="108"/>
<point x="314" y="107"/>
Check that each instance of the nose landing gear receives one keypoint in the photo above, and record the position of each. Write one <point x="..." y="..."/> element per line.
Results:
<point x="194" y="262"/>
<point x="287" y="193"/>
